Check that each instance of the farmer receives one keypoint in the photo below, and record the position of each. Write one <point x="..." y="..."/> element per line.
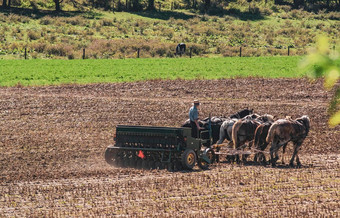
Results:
<point x="193" y="116"/>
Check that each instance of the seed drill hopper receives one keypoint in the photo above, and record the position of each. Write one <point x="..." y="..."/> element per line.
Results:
<point x="159" y="147"/>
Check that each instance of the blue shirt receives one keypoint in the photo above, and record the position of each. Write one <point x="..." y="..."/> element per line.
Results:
<point x="193" y="113"/>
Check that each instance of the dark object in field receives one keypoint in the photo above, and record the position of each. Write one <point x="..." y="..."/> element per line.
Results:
<point x="180" y="49"/>
<point x="285" y="130"/>
<point x="159" y="147"/>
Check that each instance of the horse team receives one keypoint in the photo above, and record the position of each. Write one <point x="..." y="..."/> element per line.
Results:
<point x="246" y="128"/>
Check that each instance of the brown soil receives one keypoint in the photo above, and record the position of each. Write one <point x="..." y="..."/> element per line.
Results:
<point x="53" y="139"/>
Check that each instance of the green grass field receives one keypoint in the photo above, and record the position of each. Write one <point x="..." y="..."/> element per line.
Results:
<point x="54" y="72"/>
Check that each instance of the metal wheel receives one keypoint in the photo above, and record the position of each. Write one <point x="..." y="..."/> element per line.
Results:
<point x="132" y="162"/>
<point x="139" y="163"/>
<point x="209" y="154"/>
<point x="119" y="161"/>
<point x="188" y="159"/>
<point x="110" y="156"/>
<point x="170" y="167"/>
<point x="158" y="165"/>
<point x="146" y="165"/>
<point x="203" y="164"/>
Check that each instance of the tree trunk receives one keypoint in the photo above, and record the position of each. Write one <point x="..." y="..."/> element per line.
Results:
<point x="151" y="5"/>
<point x="207" y="5"/>
<point x="4" y="3"/>
<point x="57" y="5"/>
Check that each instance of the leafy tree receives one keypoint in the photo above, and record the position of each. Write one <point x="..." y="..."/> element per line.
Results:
<point x="322" y="63"/>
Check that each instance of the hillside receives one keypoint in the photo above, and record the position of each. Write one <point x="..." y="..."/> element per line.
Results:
<point x="262" y="30"/>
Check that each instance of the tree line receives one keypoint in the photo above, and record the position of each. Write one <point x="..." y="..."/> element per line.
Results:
<point x="202" y="5"/>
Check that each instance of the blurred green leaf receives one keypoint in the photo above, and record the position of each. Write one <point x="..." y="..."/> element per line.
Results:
<point x="321" y="63"/>
<point x="334" y="102"/>
<point x="335" y="119"/>
<point x="331" y="77"/>
<point x="322" y="45"/>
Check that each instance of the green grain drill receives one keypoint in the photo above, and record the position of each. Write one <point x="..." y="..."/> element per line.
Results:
<point x="159" y="147"/>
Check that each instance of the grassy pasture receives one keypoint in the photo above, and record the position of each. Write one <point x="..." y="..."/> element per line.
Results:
<point x="53" y="72"/>
<point x="107" y="35"/>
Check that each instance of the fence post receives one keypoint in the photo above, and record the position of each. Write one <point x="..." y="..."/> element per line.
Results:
<point x="288" y="50"/>
<point x="83" y="53"/>
<point x="240" y="51"/>
<point x="25" y="55"/>
<point x="172" y="5"/>
<point x="138" y="50"/>
<point x="190" y="52"/>
<point x="160" y="6"/>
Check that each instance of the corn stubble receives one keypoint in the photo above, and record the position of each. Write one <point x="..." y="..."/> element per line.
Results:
<point x="53" y="139"/>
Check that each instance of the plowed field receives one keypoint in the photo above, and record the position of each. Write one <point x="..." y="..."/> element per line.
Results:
<point x="52" y="141"/>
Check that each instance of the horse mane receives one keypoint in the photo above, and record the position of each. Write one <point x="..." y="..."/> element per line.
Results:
<point x="266" y="118"/>
<point x="305" y="122"/>
<point x="242" y="113"/>
<point x="251" y="117"/>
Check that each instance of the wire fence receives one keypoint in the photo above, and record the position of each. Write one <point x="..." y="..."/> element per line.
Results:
<point x="231" y="51"/>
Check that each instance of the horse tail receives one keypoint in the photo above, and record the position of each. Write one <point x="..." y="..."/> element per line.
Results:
<point x="234" y="131"/>
<point x="271" y="133"/>
<point x="257" y="136"/>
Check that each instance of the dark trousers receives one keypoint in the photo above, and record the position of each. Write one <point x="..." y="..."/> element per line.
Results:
<point x="194" y="130"/>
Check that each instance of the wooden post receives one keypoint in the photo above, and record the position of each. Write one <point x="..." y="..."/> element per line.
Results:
<point x="190" y="52"/>
<point x="138" y="50"/>
<point x="160" y="6"/>
<point x="241" y="51"/>
<point x="288" y="50"/>
<point x="83" y="53"/>
<point x="172" y="5"/>
<point x="25" y="53"/>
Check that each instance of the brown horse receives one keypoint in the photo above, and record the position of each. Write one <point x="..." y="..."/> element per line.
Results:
<point x="286" y="130"/>
<point x="243" y="130"/>
<point x="260" y="142"/>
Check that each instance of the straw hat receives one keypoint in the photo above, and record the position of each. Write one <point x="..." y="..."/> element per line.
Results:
<point x="197" y="102"/>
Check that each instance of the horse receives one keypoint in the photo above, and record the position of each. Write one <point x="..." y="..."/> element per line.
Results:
<point x="242" y="113"/>
<point x="285" y="130"/>
<point x="226" y="130"/>
<point x="243" y="130"/>
<point x="260" y="142"/>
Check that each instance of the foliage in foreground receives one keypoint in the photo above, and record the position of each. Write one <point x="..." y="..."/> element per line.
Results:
<point x="325" y="63"/>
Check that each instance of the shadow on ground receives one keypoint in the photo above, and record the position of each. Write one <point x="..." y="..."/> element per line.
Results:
<point x="164" y="15"/>
<point x="37" y="14"/>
